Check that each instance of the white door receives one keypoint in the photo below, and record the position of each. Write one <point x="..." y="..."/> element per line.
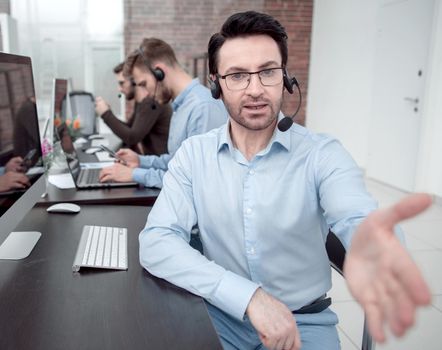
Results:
<point x="100" y="78"/>
<point x="400" y="68"/>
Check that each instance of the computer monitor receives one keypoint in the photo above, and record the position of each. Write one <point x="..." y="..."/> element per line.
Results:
<point x="57" y="111"/>
<point x="19" y="136"/>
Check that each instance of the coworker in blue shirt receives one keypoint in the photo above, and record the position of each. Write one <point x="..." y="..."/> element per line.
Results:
<point x="154" y="67"/>
<point x="264" y="201"/>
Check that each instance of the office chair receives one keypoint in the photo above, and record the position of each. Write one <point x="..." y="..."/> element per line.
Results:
<point x="82" y="105"/>
<point x="336" y="254"/>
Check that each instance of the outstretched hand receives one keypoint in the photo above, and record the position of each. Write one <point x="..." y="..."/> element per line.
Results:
<point x="381" y="274"/>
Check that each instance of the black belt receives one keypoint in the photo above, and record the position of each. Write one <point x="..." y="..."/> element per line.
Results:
<point x="315" y="307"/>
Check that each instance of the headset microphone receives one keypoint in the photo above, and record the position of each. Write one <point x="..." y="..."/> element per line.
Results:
<point x="286" y="122"/>
<point x="154" y="104"/>
<point x="119" y="95"/>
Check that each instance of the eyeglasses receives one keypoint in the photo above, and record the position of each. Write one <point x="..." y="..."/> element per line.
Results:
<point x="241" y="80"/>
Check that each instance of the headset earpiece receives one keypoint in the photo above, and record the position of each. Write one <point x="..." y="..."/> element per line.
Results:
<point x="158" y="73"/>
<point x="215" y="88"/>
<point x="289" y="82"/>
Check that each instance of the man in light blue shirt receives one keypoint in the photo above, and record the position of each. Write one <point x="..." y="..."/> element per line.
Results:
<point x="264" y="201"/>
<point x="155" y="68"/>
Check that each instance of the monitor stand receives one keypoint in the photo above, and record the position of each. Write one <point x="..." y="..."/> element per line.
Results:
<point x="18" y="245"/>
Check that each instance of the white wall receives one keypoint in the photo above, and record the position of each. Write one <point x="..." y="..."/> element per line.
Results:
<point x="340" y="83"/>
<point x="9" y="33"/>
<point x="429" y="176"/>
<point x="340" y="76"/>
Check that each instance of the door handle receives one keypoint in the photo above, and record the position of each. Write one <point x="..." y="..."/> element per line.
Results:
<point x="411" y="99"/>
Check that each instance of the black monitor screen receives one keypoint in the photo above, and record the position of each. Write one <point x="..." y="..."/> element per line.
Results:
<point x="20" y="150"/>
<point x="59" y="101"/>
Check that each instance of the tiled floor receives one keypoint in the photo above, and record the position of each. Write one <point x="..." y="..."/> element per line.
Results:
<point x="424" y="240"/>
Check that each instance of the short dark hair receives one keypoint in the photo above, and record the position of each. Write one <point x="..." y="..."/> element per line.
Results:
<point x="243" y="24"/>
<point x="119" y="68"/>
<point x="151" y="50"/>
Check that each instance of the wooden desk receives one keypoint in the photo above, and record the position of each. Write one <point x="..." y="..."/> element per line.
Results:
<point x="117" y="195"/>
<point x="44" y="305"/>
<point x="121" y="196"/>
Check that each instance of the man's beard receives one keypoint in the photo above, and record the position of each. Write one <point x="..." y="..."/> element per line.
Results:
<point x="236" y="116"/>
<point x="165" y="96"/>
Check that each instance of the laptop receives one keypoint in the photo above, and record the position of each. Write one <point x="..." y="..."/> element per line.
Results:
<point x="84" y="177"/>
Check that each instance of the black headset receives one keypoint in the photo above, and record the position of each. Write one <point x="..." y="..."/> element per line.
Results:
<point x="215" y="87"/>
<point x="158" y="73"/>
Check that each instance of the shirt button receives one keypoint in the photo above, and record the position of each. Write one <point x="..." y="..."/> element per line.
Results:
<point x="248" y="210"/>
<point x="252" y="250"/>
<point x="251" y="172"/>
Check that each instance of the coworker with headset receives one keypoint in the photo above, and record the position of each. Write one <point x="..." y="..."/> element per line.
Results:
<point x="147" y="130"/>
<point x="264" y="200"/>
<point x="154" y="68"/>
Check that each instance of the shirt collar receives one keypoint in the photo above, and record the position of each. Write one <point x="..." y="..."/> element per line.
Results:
<point x="224" y="137"/>
<point x="183" y="94"/>
<point x="278" y="137"/>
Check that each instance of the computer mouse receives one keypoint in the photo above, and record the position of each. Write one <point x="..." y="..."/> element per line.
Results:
<point x="92" y="150"/>
<point x="64" y="208"/>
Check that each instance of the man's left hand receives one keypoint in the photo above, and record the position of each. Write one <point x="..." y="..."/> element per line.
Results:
<point x="101" y="106"/>
<point x="117" y="172"/>
<point x="381" y="274"/>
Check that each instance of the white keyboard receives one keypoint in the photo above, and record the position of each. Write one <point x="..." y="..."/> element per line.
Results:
<point x="97" y="143"/>
<point x="102" y="247"/>
<point x="104" y="157"/>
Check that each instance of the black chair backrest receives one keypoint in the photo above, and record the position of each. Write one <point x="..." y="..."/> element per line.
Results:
<point x="336" y="252"/>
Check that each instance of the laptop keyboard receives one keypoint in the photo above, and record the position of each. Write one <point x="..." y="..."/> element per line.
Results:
<point x="89" y="176"/>
<point x="102" y="247"/>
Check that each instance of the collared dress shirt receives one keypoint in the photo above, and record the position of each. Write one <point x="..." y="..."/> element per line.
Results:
<point x="195" y="111"/>
<point x="262" y="222"/>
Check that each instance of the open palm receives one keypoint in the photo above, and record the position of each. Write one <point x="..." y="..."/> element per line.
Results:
<point x="380" y="273"/>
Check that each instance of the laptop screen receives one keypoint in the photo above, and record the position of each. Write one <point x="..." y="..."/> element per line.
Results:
<point x="69" y="150"/>
<point x="60" y="90"/>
